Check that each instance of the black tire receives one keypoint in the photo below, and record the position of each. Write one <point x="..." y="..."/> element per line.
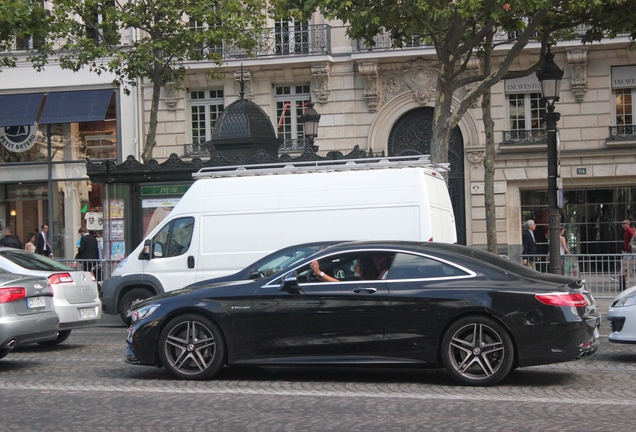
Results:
<point x="62" y="335"/>
<point x="477" y="351"/>
<point x="129" y="299"/>
<point x="4" y="352"/>
<point x="192" y="347"/>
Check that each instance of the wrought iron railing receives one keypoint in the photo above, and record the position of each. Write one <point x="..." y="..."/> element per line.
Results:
<point x="622" y="132"/>
<point x="290" y="145"/>
<point x="386" y="42"/>
<point x="523" y="136"/>
<point x="196" y="150"/>
<point x="290" y="40"/>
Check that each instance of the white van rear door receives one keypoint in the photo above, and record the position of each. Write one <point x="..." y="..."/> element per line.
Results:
<point x="174" y="254"/>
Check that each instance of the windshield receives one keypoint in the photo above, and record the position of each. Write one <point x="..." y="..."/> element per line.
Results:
<point x="33" y="261"/>
<point x="282" y="260"/>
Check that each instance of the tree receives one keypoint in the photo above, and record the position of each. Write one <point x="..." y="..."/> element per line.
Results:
<point x="458" y="31"/>
<point x="168" y="34"/>
<point x="25" y="22"/>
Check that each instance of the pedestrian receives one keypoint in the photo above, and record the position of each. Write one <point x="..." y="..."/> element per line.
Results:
<point x="42" y="245"/>
<point x="627" y="262"/>
<point x="30" y="245"/>
<point x="88" y="251"/>
<point x="529" y="244"/>
<point x="9" y="240"/>
<point x="563" y="246"/>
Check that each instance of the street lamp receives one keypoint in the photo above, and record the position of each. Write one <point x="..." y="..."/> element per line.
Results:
<point x="550" y="78"/>
<point x="310" y="120"/>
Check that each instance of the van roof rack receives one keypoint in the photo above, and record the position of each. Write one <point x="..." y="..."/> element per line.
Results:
<point x="322" y="165"/>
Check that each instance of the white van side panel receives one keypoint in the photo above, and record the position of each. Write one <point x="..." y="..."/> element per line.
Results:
<point x="232" y="241"/>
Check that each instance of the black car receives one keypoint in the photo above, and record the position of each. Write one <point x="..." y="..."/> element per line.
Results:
<point x="471" y="312"/>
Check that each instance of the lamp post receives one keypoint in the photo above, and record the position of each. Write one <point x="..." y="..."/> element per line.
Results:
<point x="310" y="120"/>
<point x="550" y="78"/>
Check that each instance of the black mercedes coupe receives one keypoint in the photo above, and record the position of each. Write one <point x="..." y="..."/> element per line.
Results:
<point x="476" y="314"/>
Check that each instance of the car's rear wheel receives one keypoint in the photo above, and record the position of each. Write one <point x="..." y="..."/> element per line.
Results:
<point x="62" y="335"/>
<point x="476" y="350"/>
<point x="131" y="298"/>
<point x="192" y="347"/>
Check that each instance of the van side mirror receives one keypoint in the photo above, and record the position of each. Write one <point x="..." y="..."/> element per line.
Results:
<point x="145" y="252"/>
<point x="290" y="284"/>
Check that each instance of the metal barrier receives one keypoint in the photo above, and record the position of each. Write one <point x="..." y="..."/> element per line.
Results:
<point x="605" y="275"/>
<point x="102" y="269"/>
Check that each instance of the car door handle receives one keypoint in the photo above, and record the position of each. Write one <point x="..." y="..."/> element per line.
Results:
<point x="190" y="261"/>
<point x="364" y="290"/>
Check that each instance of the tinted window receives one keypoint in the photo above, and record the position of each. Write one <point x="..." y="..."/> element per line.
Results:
<point x="31" y="261"/>
<point x="418" y="267"/>
<point x="282" y="260"/>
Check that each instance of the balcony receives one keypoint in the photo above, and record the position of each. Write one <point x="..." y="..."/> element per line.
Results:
<point x="622" y="132"/>
<point x="286" y="41"/>
<point x="521" y="140"/>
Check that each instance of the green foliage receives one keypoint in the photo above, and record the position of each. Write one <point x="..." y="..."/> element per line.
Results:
<point x="23" y="19"/>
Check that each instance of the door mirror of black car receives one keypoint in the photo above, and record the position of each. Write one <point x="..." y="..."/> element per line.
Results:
<point x="290" y="283"/>
<point x="145" y="252"/>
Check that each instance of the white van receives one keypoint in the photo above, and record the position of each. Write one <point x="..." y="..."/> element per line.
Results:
<point x="230" y="218"/>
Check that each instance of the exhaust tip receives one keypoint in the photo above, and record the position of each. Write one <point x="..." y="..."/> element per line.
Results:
<point x="11" y="344"/>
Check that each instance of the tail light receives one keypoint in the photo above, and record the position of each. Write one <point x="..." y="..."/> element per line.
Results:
<point x="562" y="299"/>
<point x="10" y="294"/>
<point x="60" y="278"/>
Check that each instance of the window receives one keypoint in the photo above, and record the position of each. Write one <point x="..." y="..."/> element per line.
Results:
<point x="291" y="102"/>
<point x="624" y="114"/>
<point x="407" y="266"/>
<point x="173" y="239"/>
<point x="291" y="37"/>
<point x="205" y="108"/>
<point x="101" y="24"/>
<point x="527" y="111"/>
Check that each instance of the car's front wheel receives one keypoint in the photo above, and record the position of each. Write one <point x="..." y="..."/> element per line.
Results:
<point x="62" y="335"/>
<point x="477" y="350"/>
<point x="192" y="347"/>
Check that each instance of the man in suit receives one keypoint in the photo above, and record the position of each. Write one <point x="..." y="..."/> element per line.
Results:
<point x="9" y="240"/>
<point x="529" y="244"/>
<point x="88" y="250"/>
<point x="42" y="245"/>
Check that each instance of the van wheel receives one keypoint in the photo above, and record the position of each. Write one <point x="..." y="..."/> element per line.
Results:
<point x="62" y="335"/>
<point x="191" y="347"/>
<point x="131" y="298"/>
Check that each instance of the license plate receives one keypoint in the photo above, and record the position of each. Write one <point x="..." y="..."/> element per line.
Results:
<point x="87" y="313"/>
<point x="36" y="302"/>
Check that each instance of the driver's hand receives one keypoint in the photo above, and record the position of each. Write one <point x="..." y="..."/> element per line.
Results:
<point x="315" y="267"/>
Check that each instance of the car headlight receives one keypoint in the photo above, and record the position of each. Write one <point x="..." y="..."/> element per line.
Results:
<point x="626" y="301"/>
<point x="141" y="313"/>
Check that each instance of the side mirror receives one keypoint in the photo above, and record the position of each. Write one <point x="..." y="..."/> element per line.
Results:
<point x="290" y="284"/>
<point x="157" y="249"/>
<point x="145" y="252"/>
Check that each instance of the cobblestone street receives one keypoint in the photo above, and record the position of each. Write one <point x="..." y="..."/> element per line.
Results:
<point x="84" y="385"/>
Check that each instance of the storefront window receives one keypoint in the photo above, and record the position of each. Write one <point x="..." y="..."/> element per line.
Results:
<point x="592" y="218"/>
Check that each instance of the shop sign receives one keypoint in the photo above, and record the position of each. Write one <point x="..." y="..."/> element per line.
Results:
<point x="164" y="190"/>
<point x="18" y="139"/>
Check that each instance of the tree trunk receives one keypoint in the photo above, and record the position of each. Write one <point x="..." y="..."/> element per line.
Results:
<point x="151" y="140"/>
<point x="489" y="159"/>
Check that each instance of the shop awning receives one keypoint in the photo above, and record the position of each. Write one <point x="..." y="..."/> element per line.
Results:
<point x="76" y="106"/>
<point x="19" y="109"/>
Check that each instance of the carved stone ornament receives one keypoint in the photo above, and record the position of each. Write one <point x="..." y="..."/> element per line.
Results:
<point x="246" y="77"/>
<point x="170" y="96"/>
<point x="472" y="68"/>
<point x="370" y="74"/>
<point x="476" y="157"/>
<point x="322" y="74"/>
<point x="577" y="60"/>
<point x="421" y="76"/>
